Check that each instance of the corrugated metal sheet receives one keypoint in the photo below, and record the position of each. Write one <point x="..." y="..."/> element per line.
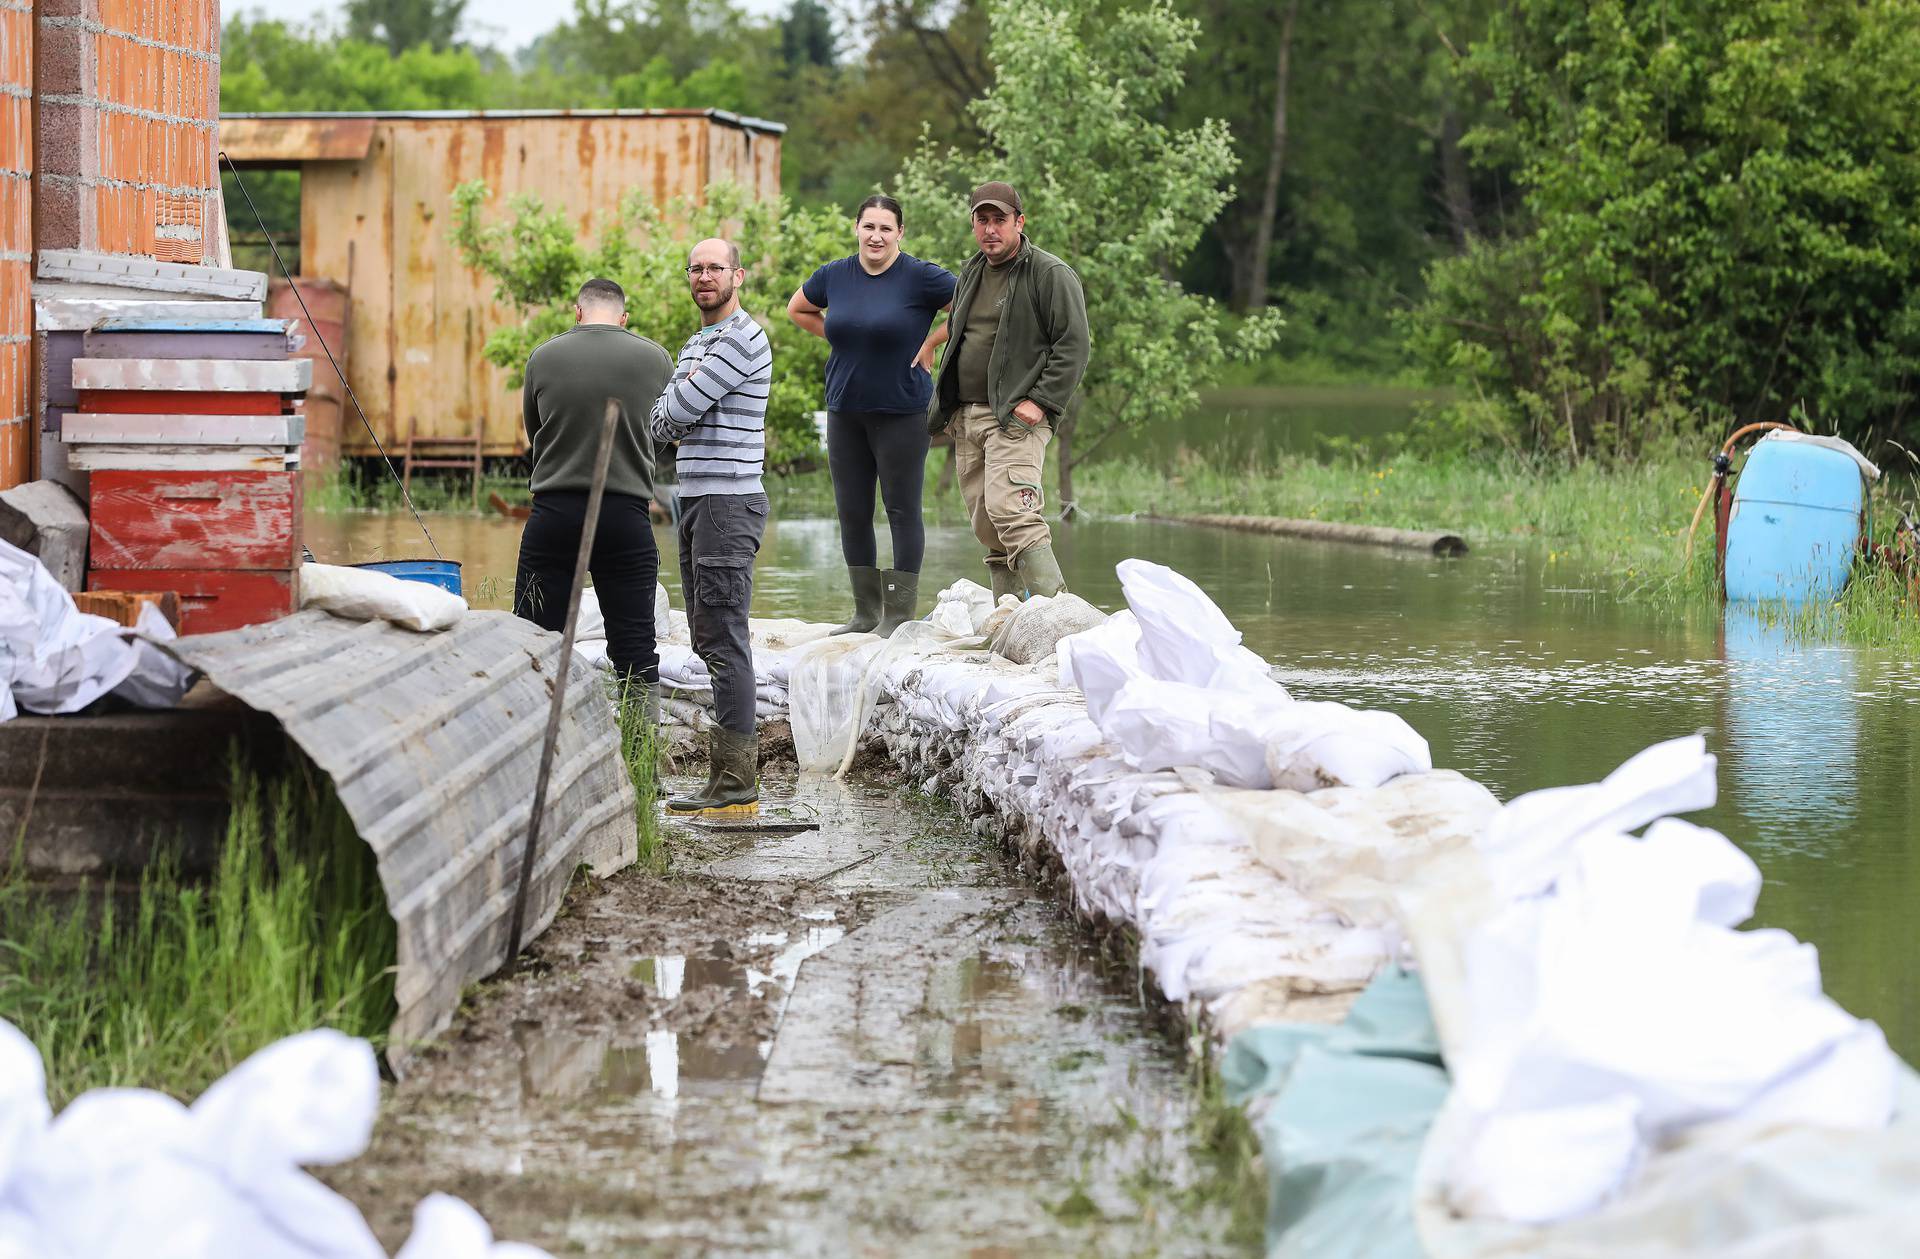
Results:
<point x="433" y="742"/>
<point x="419" y="316"/>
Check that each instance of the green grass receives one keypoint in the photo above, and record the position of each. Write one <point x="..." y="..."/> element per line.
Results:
<point x="1622" y="522"/>
<point x="640" y="750"/>
<point x="170" y="983"/>
<point x="364" y="485"/>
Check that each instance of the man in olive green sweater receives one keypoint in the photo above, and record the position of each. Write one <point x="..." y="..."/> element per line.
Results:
<point x="564" y="399"/>
<point x="1019" y="346"/>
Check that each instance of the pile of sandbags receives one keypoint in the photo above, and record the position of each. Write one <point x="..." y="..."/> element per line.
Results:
<point x="133" y="1174"/>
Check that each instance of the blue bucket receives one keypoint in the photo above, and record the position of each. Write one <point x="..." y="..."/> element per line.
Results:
<point x="442" y="573"/>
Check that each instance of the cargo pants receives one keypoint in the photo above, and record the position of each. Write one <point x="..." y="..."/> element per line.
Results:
<point x="719" y="535"/>
<point x="1000" y="474"/>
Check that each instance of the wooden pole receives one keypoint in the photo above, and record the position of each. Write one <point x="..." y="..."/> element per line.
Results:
<point x="538" y="813"/>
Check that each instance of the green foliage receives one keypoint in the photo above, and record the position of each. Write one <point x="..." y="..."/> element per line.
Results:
<point x="1722" y="221"/>
<point x="171" y="984"/>
<point x="539" y="262"/>
<point x="1118" y="193"/>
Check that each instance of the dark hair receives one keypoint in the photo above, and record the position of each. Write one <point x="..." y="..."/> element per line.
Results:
<point x="881" y="201"/>
<point x="599" y="292"/>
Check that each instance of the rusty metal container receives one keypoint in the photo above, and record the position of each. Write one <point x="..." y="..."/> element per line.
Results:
<point x="376" y="206"/>
<point x="327" y="410"/>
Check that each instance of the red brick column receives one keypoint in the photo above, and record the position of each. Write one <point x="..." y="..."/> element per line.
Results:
<point x="16" y="240"/>
<point x="129" y="125"/>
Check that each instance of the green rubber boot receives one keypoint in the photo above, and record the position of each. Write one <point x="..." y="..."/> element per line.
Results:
<point x="731" y="789"/>
<point x="1040" y="571"/>
<point x="899" y="600"/>
<point x="1004" y="582"/>
<point x="867" y="595"/>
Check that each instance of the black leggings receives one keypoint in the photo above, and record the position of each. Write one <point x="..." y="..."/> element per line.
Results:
<point x="868" y="446"/>
<point x="624" y="566"/>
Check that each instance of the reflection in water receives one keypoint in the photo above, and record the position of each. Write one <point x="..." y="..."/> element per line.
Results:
<point x="1518" y="673"/>
<point x="1793" y="731"/>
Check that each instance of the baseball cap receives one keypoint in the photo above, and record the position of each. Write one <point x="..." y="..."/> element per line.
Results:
<point x="997" y="194"/>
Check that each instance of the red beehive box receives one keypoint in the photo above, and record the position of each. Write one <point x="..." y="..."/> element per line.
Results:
<point x="210" y="600"/>
<point x="208" y="520"/>
<point x="227" y="542"/>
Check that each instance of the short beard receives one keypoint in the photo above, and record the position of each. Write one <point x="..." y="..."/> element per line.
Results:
<point x="720" y="298"/>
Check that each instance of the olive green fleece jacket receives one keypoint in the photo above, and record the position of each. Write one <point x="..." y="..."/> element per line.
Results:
<point x="1040" y="351"/>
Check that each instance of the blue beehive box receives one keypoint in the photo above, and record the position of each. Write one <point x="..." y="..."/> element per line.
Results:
<point x="1797" y="511"/>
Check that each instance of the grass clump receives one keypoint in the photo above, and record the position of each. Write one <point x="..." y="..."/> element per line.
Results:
<point x="171" y="982"/>
<point x="640" y="748"/>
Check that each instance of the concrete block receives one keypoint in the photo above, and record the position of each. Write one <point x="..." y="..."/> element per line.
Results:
<point x="56" y="214"/>
<point x="68" y="139"/>
<point x="45" y="519"/>
<point x="61" y="64"/>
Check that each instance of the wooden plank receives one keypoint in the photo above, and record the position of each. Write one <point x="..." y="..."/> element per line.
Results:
<point x="212" y="600"/>
<point x="107" y="457"/>
<point x="58" y="350"/>
<point x="188" y="430"/>
<point x="253" y="346"/>
<point x="122" y="607"/>
<point x="141" y="402"/>
<point x="193" y="374"/>
<point x="143" y="324"/>
<point x="55" y="312"/>
<point x="122" y="271"/>
<point x="195" y="520"/>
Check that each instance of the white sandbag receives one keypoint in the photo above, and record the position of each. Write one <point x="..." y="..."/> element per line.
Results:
<point x="133" y="1174"/>
<point x="592" y="625"/>
<point x="1101" y="660"/>
<point x="1184" y="636"/>
<point x="1031" y="633"/>
<point x="1526" y="843"/>
<point x="444" y="1227"/>
<point x="363" y="594"/>
<point x="970" y="597"/>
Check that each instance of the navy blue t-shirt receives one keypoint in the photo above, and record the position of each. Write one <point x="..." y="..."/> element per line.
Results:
<point x="875" y="324"/>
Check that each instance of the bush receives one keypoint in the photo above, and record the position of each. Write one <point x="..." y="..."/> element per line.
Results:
<point x="539" y="263"/>
<point x="1722" y="221"/>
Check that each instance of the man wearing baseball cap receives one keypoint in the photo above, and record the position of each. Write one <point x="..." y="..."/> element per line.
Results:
<point x="1019" y="347"/>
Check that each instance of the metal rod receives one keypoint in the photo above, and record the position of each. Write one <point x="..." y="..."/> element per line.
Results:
<point x="315" y="329"/>
<point x="538" y="814"/>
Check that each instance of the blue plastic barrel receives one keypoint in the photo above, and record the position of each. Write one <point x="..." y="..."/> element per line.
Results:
<point x="442" y="573"/>
<point x="1796" y="519"/>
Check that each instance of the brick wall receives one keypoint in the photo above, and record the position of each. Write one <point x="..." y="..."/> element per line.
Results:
<point x="129" y="117"/>
<point x="16" y="239"/>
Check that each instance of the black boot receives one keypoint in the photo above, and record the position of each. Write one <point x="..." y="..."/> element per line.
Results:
<point x="898" y="601"/>
<point x="731" y="789"/>
<point x="867" y="598"/>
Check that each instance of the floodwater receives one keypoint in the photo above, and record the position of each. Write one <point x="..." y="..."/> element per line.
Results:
<point x="1520" y="673"/>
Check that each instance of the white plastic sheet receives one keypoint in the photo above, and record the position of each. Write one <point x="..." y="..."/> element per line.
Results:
<point x="132" y="1174"/>
<point x="55" y="658"/>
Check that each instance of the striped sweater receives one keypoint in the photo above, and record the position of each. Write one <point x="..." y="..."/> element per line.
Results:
<point x="716" y="408"/>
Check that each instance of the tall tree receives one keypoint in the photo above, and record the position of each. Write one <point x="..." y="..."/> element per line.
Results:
<point x="404" y="24"/>
<point x="806" y="36"/>
<point x="1121" y="195"/>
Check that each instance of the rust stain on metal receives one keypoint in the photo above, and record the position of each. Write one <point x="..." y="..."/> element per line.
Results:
<point x="286" y="140"/>
<point x="379" y="224"/>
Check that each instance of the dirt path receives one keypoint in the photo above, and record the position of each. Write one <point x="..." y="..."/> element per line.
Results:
<point x="869" y="1039"/>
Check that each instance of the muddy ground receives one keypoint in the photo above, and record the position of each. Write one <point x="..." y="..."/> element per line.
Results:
<point x="867" y="1039"/>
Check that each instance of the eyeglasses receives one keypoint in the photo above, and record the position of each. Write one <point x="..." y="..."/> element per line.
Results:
<point x="712" y="268"/>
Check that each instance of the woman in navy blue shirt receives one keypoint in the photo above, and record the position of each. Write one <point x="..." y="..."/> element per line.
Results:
<point x="876" y="311"/>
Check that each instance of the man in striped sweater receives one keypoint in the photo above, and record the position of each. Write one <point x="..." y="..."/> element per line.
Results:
<point x="715" y="407"/>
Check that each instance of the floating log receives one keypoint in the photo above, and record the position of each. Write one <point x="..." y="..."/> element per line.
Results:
<point x="1434" y="543"/>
